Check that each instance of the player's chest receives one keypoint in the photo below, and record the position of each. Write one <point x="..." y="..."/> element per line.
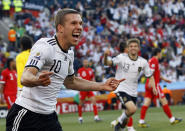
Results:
<point x="85" y="73"/>
<point x="11" y="76"/>
<point x="132" y="66"/>
<point x="60" y="64"/>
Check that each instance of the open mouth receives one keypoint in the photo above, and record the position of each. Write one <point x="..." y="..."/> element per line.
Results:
<point x="76" y="35"/>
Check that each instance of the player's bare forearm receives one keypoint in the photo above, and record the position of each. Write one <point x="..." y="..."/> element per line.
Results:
<point x="164" y="79"/>
<point x="29" y="78"/>
<point x="77" y="83"/>
<point x="152" y="82"/>
<point x="152" y="85"/>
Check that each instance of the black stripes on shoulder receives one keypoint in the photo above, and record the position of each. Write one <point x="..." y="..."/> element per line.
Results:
<point x="52" y="42"/>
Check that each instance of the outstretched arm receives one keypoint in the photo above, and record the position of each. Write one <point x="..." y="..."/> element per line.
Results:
<point x="77" y="83"/>
<point x="166" y="80"/>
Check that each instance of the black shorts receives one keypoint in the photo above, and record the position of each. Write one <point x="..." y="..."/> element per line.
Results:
<point x="124" y="98"/>
<point x="21" y="119"/>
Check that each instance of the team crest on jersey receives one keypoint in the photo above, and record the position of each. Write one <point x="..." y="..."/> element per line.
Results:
<point x="139" y="69"/>
<point x="37" y="56"/>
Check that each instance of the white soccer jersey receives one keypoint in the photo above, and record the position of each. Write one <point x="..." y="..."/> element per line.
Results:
<point x="47" y="55"/>
<point x="130" y="70"/>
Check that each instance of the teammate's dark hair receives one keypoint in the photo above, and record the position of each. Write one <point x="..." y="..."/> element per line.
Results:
<point x="26" y="42"/>
<point x="122" y="46"/>
<point x="8" y="61"/>
<point x="156" y="51"/>
<point x="60" y="16"/>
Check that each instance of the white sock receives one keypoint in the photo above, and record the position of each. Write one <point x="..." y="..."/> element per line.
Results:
<point x="130" y="127"/>
<point x="141" y="121"/>
<point x="80" y="118"/>
<point x="96" y="117"/>
<point x="172" y="119"/>
<point x="122" y="117"/>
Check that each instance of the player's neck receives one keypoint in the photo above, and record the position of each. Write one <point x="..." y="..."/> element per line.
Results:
<point x="133" y="57"/>
<point x="61" y="43"/>
<point x="156" y="57"/>
<point x="11" y="69"/>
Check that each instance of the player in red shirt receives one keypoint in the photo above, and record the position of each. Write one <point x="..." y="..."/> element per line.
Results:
<point x="149" y="96"/>
<point x="9" y="80"/>
<point x="87" y="73"/>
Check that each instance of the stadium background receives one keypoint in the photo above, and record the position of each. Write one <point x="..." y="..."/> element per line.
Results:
<point x="157" y="23"/>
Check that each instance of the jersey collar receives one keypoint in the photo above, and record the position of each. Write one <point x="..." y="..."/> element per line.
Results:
<point x="59" y="45"/>
<point x="132" y="59"/>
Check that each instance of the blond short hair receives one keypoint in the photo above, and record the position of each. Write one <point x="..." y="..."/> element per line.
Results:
<point x="133" y="40"/>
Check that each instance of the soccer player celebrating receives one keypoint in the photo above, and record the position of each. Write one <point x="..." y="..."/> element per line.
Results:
<point x="129" y="66"/>
<point x="87" y="73"/>
<point x="9" y="82"/>
<point x="22" y="57"/>
<point x="49" y="66"/>
<point x="149" y="96"/>
<point x="123" y="49"/>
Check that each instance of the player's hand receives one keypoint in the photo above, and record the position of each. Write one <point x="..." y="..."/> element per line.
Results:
<point x="44" y="78"/>
<point x="111" y="84"/>
<point x="155" y="91"/>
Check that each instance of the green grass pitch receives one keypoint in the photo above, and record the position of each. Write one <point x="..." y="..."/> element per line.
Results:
<point x="155" y="118"/>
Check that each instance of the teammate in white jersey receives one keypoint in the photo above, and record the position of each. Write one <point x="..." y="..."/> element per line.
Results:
<point x="129" y="67"/>
<point x="50" y="65"/>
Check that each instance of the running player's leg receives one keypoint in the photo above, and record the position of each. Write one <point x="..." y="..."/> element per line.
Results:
<point x="82" y="96"/>
<point x="95" y="110"/>
<point x="130" y="108"/>
<point x="147" y="101"/>
<point x="130" y="124"/>
<point x="166" y="108"/>
<point x="144" y="108"/>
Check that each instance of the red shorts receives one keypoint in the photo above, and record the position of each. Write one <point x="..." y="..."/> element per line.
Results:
<point x="84" y="94"/>
<point x="10" y="99"/>
<point x="149" y="92"/>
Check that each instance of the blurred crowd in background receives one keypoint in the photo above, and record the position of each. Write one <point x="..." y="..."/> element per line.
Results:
<point x="157" y="23"/>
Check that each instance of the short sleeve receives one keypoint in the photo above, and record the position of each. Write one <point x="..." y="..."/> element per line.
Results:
<point x="147" y="70"/>
<point x="71" y="67"/>
<point x="152" y="64"/>
<point x="39" y="54"/>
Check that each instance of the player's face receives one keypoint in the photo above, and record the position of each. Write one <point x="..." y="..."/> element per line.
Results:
<point x="160" y="55"/>
<point x="133" y="48"/>
<point x="85" y="63"/>
<point x="13" y="65"/>
<point x="72" y="29"/>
